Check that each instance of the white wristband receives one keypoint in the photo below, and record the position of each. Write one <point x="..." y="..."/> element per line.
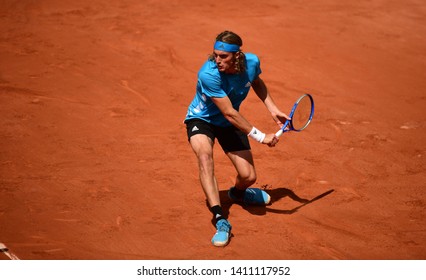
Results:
<point x="257" y="135"/>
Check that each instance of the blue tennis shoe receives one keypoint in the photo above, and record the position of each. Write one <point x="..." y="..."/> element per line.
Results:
<point x="223" y="233"/>
<point x="252" y="196"/>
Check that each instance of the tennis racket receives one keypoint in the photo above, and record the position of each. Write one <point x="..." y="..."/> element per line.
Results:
<point x="301" y="115"/>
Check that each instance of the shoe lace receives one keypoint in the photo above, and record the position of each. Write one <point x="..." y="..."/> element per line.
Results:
<point x="223" y="226"/>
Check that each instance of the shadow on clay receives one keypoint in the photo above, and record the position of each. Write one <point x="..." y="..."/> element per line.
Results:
<point x="276" y="195"/>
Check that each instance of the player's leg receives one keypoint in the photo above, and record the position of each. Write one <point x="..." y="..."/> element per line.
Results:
<point x="201" y="140"/>
<point x="246" y="176"/>
<point x="243" y="163"/>
<point x="237" y="147"/>
<point x="202" y="146"/>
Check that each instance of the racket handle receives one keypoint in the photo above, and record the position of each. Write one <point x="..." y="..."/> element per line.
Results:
<point x="279" y="133"/>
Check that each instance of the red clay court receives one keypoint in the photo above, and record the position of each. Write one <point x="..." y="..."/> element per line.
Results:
<point x="94" y="161"/>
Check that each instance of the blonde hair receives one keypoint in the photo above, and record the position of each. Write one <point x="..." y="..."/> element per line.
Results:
<point x="232" y="38"/>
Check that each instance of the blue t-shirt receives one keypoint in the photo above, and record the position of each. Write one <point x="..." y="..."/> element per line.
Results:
<point x="212" y="83"/>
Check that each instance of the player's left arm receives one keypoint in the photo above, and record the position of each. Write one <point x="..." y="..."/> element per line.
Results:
<point x="262" y="92"/>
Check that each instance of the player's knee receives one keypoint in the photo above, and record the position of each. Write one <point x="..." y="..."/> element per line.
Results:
<point x="205" y="161"/>
<point x="252" y="179"/>
<point x="249" y="178"/>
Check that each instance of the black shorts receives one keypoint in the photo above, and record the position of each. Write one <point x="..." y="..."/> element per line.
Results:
<point x="231" y="139"/>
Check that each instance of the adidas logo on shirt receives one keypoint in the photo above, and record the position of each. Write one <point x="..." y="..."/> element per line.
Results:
<point x="195" y="128"/>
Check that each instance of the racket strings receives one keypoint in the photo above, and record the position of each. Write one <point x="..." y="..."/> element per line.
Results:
<point x="302" y="114"/>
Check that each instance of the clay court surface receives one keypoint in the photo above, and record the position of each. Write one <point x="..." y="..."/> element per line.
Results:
<point x="94" y="161"/>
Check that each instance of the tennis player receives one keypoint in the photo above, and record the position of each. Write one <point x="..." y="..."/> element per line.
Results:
<point x="223" y="83"/>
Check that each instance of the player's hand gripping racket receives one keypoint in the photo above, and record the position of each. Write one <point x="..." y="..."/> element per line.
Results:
<point x="301" y="115"/>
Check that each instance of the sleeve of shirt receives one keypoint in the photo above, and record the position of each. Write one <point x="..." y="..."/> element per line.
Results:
<point x="258" y="70"/>
<point x="253" y="66"/>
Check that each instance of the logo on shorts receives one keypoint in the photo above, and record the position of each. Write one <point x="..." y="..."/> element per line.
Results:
<point x="248" y="84"/>
<point x="195" y="128"/>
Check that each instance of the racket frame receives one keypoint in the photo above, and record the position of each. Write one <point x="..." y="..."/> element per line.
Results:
<point x="288" y="125"/>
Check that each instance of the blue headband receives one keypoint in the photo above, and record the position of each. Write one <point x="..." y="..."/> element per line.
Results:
<point x="222" y="46"/>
